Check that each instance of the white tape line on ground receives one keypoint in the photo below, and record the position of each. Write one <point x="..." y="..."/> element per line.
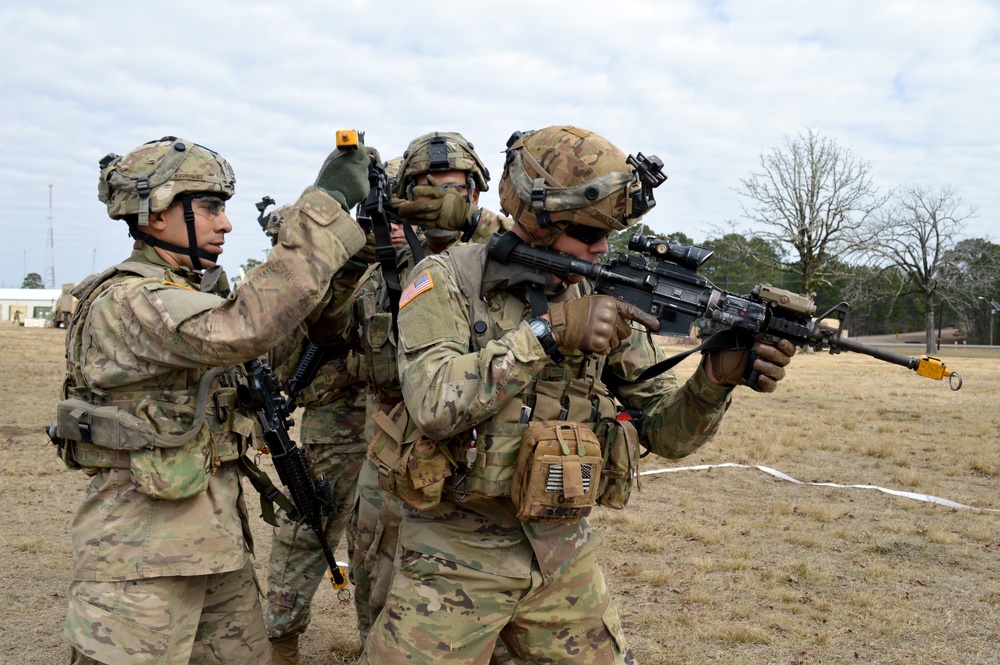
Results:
<point x="784" y="476"/>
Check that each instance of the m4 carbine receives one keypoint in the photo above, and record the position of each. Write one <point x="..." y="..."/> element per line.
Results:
<point x="262" y="394"/>
<point x="663" y="280"/>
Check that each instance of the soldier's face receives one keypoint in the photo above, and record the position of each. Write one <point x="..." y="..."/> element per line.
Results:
<point x="210" y="223"/>
<point x="453" y="180"/>
<point x="580" y="250"/>
<point x="397" y="234"/>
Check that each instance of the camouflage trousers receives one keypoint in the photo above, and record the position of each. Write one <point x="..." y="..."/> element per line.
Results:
<point x="443" y="612"/>
<point x="297" y="565"/>
<point x="375" y="532"/>
<point x="168" y="621"/>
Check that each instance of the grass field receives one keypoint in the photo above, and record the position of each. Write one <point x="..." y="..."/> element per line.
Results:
<point x="722" y="565"/>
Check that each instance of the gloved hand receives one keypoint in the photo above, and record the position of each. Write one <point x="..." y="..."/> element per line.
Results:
<point x="437" y="208"/>
<point x="595" y="323"/>
<point x="728" y="366"/>
<point x="344" y="176"/>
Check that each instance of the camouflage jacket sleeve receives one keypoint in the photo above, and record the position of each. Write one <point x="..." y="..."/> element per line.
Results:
<point x="447" y="387"/>
<point x="677" y="419"/>
<point x="178" y="327"/>
<point x="337" y="323"/>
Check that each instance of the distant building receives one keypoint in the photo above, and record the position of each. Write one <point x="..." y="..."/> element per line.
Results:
<point x="22" y="304"/>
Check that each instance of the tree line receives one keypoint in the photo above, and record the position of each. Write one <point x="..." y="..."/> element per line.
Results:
<point x="821" y="226"/>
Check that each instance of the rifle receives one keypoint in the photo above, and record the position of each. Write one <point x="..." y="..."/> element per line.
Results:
<point x="261" y="206"/>
<point x="663" y="280"/>
<point x="262" y="395"/>
<point x="378" y="213"/>
<point x="310" y="362"/>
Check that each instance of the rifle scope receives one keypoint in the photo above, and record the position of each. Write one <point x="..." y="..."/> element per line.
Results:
<point x="686" y="256"/>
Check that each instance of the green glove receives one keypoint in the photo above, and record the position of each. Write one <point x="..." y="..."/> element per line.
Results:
<point x="436" y="207"/>
<point x="344" y="176"/>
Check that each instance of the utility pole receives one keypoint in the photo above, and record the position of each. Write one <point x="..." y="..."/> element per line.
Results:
<point x="994" y="308"/>
<point x="50" y="272"/>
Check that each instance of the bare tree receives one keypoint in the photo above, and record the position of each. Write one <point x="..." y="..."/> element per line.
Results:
<point x="915" y="239"/>
<point x="974" y="283"/>
<point x="810" y="195"/>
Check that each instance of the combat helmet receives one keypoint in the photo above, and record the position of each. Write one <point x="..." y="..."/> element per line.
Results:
<point x="152" y="176"/>
<point x="563" y="175"/>
<point x="441" y="151"/>
<point x="392" y="172"/>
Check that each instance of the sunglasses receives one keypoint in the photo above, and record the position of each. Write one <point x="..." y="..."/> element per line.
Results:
<point x="586" y="234"/>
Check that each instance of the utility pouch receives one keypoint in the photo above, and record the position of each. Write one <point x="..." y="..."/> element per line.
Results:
<point x="94" y="437"/>
<point x="103" y="426"/>
<point x="558" y="472"/>
<point x="410" y="465"/>
<point x="621" y="462"/>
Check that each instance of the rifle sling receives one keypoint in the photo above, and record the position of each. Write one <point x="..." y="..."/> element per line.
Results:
<point x="730" y="338"/>
<point x="269" y="494"/>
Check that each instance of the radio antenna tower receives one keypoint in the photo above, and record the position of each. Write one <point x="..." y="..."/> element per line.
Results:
<point x="50" y="272"/>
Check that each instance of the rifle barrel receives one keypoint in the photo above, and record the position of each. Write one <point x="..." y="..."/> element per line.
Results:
<point x="875" y="352"/>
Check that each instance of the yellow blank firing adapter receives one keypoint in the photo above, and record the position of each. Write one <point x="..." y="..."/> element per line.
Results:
<point x="347" y="139"/>
<point x="933" y="368"/>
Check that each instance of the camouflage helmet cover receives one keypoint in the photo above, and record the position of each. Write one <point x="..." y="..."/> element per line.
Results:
<point x="392" y="171"/>
<point x="441" y="151"/>
<point x="150" y="177"/>
<point x="561" y="175"/>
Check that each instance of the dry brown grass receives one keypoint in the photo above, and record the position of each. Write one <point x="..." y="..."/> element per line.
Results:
<point x="726" y="565"/>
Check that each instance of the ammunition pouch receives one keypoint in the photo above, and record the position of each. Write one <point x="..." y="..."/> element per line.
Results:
<point x="558" y="472"/>
<point x="410" y="465"/>
<point x="380" y="351"/>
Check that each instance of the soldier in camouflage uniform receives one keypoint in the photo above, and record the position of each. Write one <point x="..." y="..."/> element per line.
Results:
<point x="489" y="370"/>
<point x="331" y="430"/>
<point x="161" y="540"/>
<point x="438" y="184"/>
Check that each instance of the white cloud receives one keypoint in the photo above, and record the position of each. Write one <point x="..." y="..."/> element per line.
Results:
<point x="909" y="86"/>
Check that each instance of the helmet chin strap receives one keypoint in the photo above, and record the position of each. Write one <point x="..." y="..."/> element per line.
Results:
<point x="191" y="250"/>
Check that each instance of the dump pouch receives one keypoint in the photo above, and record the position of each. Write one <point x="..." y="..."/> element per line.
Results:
<point x="176" y="472"/>
<point x="410" y="465"/>
<point x="558" y="472"/>
<point x="172" y="473"/>
<point x="621" y="462"/>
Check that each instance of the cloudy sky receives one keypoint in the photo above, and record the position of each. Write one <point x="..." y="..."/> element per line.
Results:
<point x="912" y="87"/>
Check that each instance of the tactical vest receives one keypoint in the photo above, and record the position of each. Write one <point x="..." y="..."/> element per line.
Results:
<point x="376" y="336"/>
<point x="571" y="392"/>
<point x="168" y="438"/>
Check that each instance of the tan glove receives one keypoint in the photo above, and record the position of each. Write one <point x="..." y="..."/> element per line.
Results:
<point x="595" y="323"/>
<point x="436" y="207"/>
<point x="728" y="366"/>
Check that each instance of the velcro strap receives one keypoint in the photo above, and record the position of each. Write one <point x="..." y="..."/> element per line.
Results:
<point x="572" y="479"/>
<point x="394" y="431"/>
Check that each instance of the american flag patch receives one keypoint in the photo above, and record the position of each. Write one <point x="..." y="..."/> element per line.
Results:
<point x="416" y="287"/>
